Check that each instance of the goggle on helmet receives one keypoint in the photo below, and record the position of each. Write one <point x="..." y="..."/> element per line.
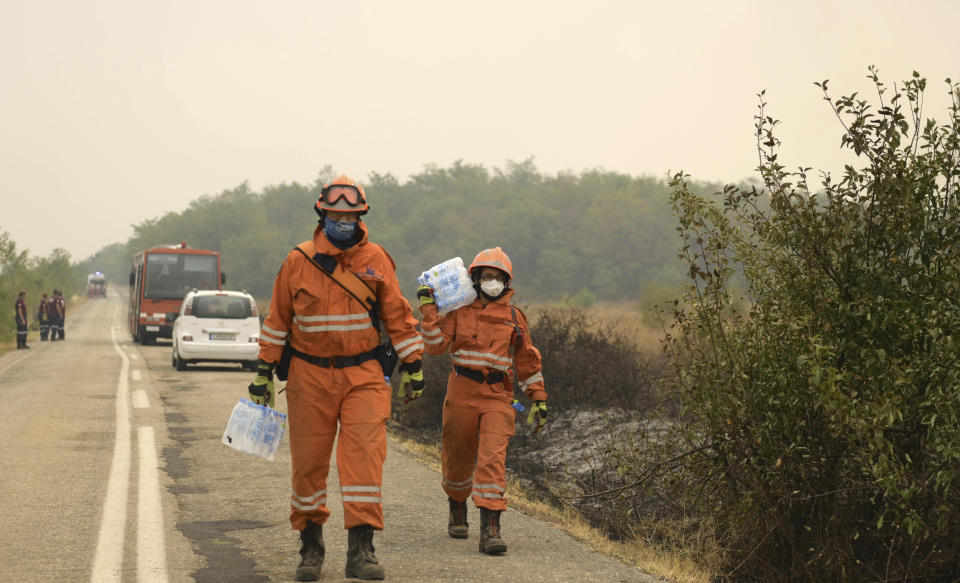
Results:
<point x="342" y="194"/>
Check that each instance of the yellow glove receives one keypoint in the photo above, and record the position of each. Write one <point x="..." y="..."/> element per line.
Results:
<point x="538" y="413"/>
<point x="411" y="381"/>
<point x="261" y="389"/>
<point x="425" y="295"/>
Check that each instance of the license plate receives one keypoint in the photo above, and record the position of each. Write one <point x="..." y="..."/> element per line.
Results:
<point x="153" y="328"/>
<point x="222" y="336"/>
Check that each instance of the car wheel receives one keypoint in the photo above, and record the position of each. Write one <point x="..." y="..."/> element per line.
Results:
<point x="180" y="364"/>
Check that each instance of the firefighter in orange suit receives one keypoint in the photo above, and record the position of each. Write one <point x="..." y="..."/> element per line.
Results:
<point x="485" y="340"/>
<point x="334" y="376"/>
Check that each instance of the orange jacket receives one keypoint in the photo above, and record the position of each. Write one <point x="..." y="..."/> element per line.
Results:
<point x="321" y="319"/>
<point x="479" y="337"/>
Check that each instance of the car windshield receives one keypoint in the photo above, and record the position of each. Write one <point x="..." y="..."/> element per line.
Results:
<point x="221" y="307"/>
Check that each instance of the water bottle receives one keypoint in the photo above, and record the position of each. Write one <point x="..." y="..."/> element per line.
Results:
<point x="255" y="429"/>
<point x="451" y="297"/>
<point x="452" y="287"/>
<point x="436" y="273"/>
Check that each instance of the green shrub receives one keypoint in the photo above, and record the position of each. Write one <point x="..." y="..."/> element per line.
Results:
<point x="823" y="432"/>
<point x="584" y="299"/>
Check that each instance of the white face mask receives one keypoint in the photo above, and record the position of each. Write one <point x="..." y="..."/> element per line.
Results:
<point x="492" y="288"/>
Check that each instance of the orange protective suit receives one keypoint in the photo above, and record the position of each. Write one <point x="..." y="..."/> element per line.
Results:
<point x="320" y="319"/>
<point x="477" y="416"/>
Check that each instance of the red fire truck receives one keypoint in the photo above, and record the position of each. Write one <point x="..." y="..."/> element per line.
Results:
<point x="159" y="278"/>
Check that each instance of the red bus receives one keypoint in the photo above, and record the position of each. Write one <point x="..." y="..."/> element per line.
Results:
<point x="159" y="278"/>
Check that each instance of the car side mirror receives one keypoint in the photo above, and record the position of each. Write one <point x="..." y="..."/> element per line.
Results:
<point x="132" y="279"/>
<point x="171" y="316"/>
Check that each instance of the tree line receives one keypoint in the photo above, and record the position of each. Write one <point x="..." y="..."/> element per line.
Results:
<point x="593" y="236"/>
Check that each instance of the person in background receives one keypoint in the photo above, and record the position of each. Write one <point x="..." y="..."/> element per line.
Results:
<point x="334" y="377"/>
<point x="57" y="311"/>
<point x="43" y="317"/>
<point x="20" y="306"/>
<point x="62" y="309"/>
<point x="485" y="340"/>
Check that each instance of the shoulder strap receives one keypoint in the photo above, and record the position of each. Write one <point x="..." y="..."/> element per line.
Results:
<point x="516" y="325"/>
<point x="518" y="339"/>
<point x="347" y="280"/>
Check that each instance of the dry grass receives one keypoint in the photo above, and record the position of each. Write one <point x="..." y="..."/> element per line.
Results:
<point x="670" y="565"/>
<point x="628" y="317"/>
<point x="6" y="347"/>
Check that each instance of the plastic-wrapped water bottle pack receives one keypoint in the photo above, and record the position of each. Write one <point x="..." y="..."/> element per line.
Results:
<point x="451" y="285"/>
<point x="255" y="429"/>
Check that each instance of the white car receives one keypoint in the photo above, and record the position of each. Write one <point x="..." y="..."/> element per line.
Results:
<point x="216" y="326"/>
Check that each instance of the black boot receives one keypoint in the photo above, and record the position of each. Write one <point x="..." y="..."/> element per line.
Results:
<point x="361" y="563"/>
<point x="490" y="541"/>
<point x="457" y="521"/>
<point x="311" y="552"/>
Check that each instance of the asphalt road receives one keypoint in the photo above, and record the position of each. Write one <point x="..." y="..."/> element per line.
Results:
<point x="112" y="470"/>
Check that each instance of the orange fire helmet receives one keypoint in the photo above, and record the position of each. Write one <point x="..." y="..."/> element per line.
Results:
<point x="493" y="258"/>
<point x="342" y="194"/>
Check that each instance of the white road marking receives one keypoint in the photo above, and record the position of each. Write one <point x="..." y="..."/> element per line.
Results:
<point x="151" y="549"/>
<point x="108" y="559"/>
<point x="132" y="356"/>
<point x="135" y="374"/>
<point x="140" y="400"/>
<point x="4" y="369"/>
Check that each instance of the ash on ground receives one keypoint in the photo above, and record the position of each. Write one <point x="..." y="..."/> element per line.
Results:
<point x="581" y="453"/>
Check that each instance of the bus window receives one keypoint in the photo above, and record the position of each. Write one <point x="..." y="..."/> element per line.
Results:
<point x="170" y="276"/>
<point x="200" y="271"/>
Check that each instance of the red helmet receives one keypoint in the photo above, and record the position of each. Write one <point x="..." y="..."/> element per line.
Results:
<point x="342" y="194"/>
<point x="495" y="258"/>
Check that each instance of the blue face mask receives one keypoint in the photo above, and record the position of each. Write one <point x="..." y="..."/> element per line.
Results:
<point x="341" y="231"/>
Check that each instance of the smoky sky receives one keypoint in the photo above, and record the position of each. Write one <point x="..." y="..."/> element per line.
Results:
<point x="115" y="112"/>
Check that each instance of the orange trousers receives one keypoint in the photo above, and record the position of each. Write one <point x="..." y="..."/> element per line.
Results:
<point x="318" y="399"/>
<point x="477" y="426"/>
